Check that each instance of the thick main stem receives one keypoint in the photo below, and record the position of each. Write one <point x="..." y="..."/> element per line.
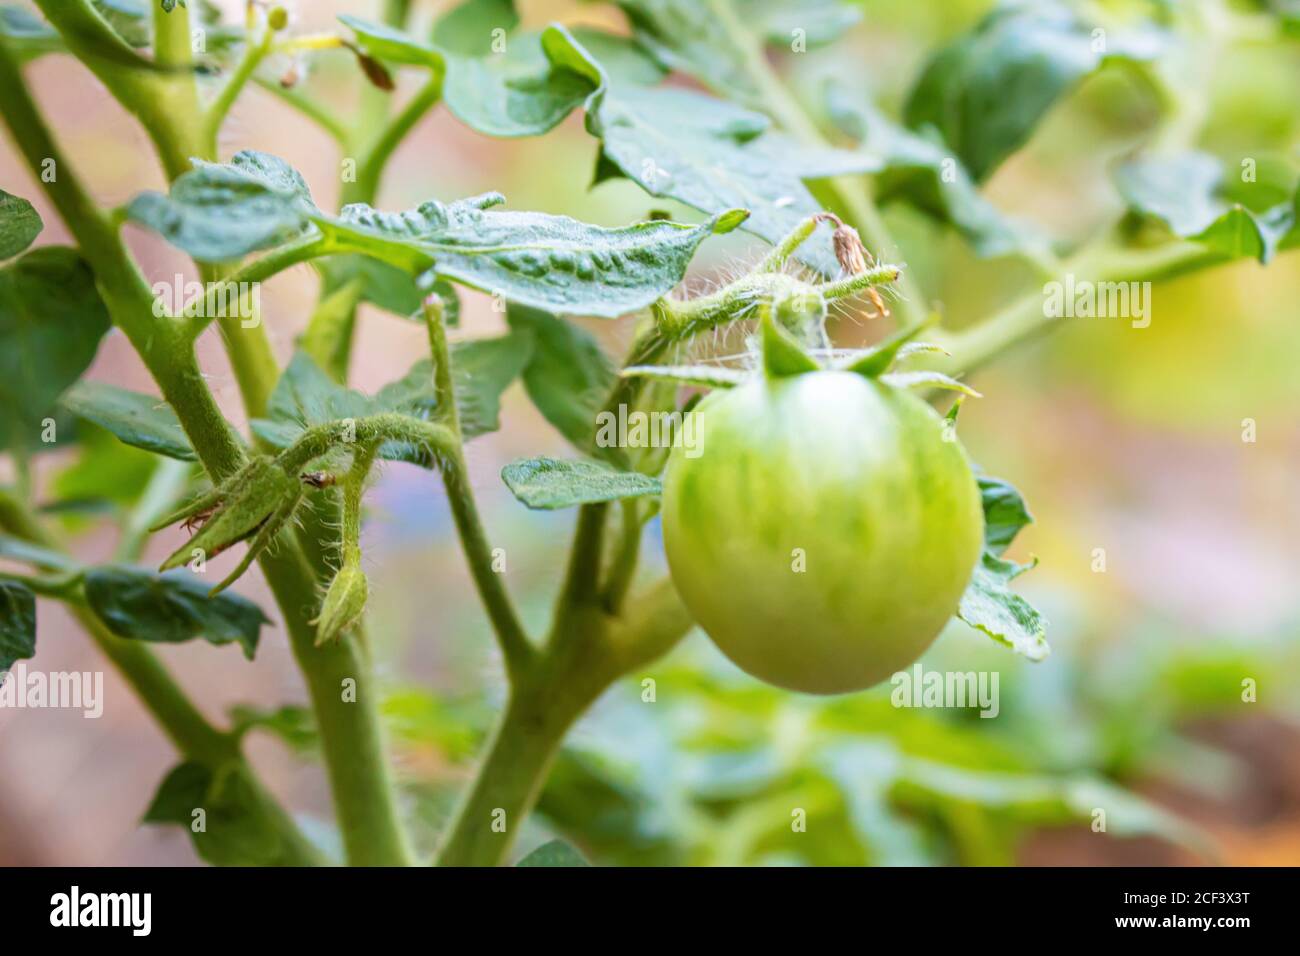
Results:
<point x="507" y="783"/>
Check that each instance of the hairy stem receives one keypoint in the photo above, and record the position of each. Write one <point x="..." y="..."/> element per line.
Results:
<point x="511" y="637"/>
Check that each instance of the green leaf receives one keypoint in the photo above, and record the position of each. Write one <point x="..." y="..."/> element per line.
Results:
<point x="568" y="377"/>
<point x="501" y="83"/>
<point x="468" y="29"/>
<point x="989" y="605"/>
<point x="986" y="92"/>
<point x="20" y="224"/>
<point x="105" y="471"/>
<point x="386" y="286"/>
<point x="707" y="153"/>
<point x="51" y="321"/>
<point x="1041" y="798"/>
<point x="392" y="45"/>
<point x="481" y="370"/>
<point x="294" y="726"/>
<point x="219" y="212"/>
<point x="1185" y="192"/>
<point x="554" y="853"/>
<point x="547" y="484"/>
<point x="171" y="608"/>
<point x="305" y="396"/>
<point x="26" y="35"/>
<point x="17" y="623"/>
<point x="1005" y="513"/>
<point x="237" y="827"/>
<point x="926" y="174"/>
<point x="142" y="421"/>
<point x="716" y="41"/>
<point x="549" y="262"/>
<point x="130" y="19"/>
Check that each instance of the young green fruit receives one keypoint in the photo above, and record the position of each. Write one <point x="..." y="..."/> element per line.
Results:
<point x="826" y="532"/>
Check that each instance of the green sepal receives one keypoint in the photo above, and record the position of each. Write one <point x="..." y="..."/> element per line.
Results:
<point x="782" y="355"/>
<point x="880" y="359"/>
<point x="924" y="378"/>
<point x="705" y="375"/>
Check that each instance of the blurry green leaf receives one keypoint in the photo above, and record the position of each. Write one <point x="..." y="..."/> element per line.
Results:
<point x="1185" y="193"/>
<point x="51" y="321"/>
<point x="1042" y="799"/>
<point x="142" y="421"/>
<point x="27" y="35"/>
<point x="989" y="605"/>
<point x="20" y="224"/>
<point x="455" y="726"/>
<point x="716" y="41"/>
<point x="105" y="471"/>
<point x="986" y="91"/>
<point x="554" y="853"/>
<point x="386" y="286"/>
<point x="392" y="45"/>
<point x="305" y="396"/>
<point x="924" y="173"/>
<point x="17" y="623"/>
<point x="219" y="212"/>
<point x="171" y="608"/>
<point x="481" y="370"/>
<point x="547" y="484"/>
<point x="237" y="831"/>
<point x="568" y="377"/>
<point x="499" y="82"/>
<point x="1005" y="513"/>
<point x="705" y="152"/>
<point x="328" y="336"/>
<point x="470" y="29"/>
<point x="294" y="726"/>
<point x="15" y="549"/>
<point x="130" y="19"/>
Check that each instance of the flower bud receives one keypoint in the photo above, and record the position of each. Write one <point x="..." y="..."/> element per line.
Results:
<point x="238" y="508"/>
<point x="344" y="603"/>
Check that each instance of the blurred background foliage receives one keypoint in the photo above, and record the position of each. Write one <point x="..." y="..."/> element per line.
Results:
<point x="1124" y="439"/>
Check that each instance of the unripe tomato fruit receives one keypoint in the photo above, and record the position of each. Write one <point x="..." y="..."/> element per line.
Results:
<point x="855" y="476"/>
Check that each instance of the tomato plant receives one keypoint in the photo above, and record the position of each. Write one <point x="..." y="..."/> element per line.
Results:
<point x="832" y="524"/>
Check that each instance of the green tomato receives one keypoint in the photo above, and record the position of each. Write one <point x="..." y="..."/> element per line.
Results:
<point x="825" y="530"/>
